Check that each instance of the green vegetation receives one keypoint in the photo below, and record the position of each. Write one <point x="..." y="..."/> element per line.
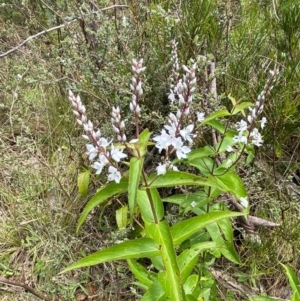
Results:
<point x="55" y="212"/>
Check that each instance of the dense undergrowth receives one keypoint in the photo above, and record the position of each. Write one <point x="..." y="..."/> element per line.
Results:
<point x="42" y="152"/>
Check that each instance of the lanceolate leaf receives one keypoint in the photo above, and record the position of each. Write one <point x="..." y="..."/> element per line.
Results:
<point x="150" y="205"/>
<point x="137" y="248"/>
<point x="140" y="272"/>
<point x="102" y="197"/>
<point x="189" y="258"/>
<point x="201" y="152"/>
<point x="294" y="281"/>
<point x="229" y="182"/>
<point x="136" y="165"/>
<point x="174" y="178"/>
<point x="162" y="235"/>
<point x="155" y="293"/>
<point x="215" y="115"/>
<point x="83" y="182"/>
<point x="183" y="230"/>
<point x="227" y="247"/>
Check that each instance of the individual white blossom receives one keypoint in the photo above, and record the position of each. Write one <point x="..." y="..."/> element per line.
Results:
<point x="200" y="116"/>
<point x="240" y="138"/>
<point x="117" y="154"/>
<point x="181" y="150"/>
<point x="171" y="96"/>
<point x="263" y="122"/>
<point x="100" y="163"/>
<point x="92" y="151"/>
<point x="241" y="126"/>
<point x="244" y="202"/>
<point x="98" y="166"/>
<point x="114" y="174"/>
<point x="186" y="133"/>
<point x="161" y="169"/>
<point x="256" y="137"/>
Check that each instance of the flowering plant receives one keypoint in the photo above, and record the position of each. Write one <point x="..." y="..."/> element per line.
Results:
<point x="173" y="248"/>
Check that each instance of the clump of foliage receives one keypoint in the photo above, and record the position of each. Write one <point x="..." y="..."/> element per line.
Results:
<point x="88" y="48"/>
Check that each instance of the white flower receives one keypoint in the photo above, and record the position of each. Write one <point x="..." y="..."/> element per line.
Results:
<point x="186" y="133"/>
<point x="98" y="166"/>
<point x="181" y="150"/>
<point x="92" y="151"/>
<point x="114" y="174"/>
<point x="200" y="116"/>
<point x="163" y="141"/>
<point x="244" y="202"/>
<point x="161" y="169"/>
<point x="229" y="149"/>
<point x="175" y="168"/>
<point x="103" y="159"/>
<point x="256" y="137"/>
<point x="117" y="154"/>
<point x="240" y="138"/>
<point x="103" y="142"/>
<point x="241" y="126"/>
<point x="171" y="97"/>
<point x="263" y="122"/>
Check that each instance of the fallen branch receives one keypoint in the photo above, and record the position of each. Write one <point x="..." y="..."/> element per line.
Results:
<point x="25" y="287"/>
<point x="51" y="29"/>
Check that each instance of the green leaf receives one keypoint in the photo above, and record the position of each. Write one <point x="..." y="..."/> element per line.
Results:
<point x="140" y="272"/>
<point x="227" y="247"/>
<point x="183" y="230"/>
<point x="149" y="213"/>
<point x="83" y="182"/>
<point x="143" y="142"/>
<point x="241" y="108"/>
<point x="229" y="182"/>
<point x="136" y="165"/>
<point x="190" y="284"/>
<point x="185" y="200"/>
<point x="219" y="126"/>
<point x="224" y="143"/>
<point x="162" y="235"/>
<point x="205" y="151"/>
<point x="192" y="298"/>
<point x="215" y="115"/>
<point x="205" y="165"/>
<point x="121" y="217"/>
<point x="293" y="279"/>
<point x="174" y="178"/>
<point x="137" y="248"/>
<point x="155" y="293"/>
<point x="189" y="258"/>
<point x="101" y="198"/>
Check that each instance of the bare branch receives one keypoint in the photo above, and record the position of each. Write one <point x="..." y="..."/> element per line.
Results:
<point x="51" y="29"/>
<point x="33" y="37"/>
<point x="26" y="287"/>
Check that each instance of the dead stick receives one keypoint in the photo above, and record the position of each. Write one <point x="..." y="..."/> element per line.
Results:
<point x="26" y="287"/>
<point x="49" y="30"/>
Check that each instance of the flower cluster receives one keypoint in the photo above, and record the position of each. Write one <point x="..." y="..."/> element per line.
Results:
<point x="118" y="124"/>
<point x="97" y="146"/>
<point x="247" y="131"/>
<point x="175" y="67"/>
<point x="172" y="136"/>
<point x="136" y="86"/>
